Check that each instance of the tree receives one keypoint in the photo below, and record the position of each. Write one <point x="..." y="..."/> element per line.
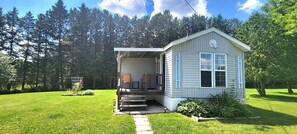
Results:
<point x="108" y="42"/>
<point x="233" y="26"/>
<point x="79" y="22"/>
<point x="7" y="70"/>
<point x="219" y="22"/>
<point x="3" y="36"/>
<point x="40" y="35"/>
<point x="12" y="21"/>
<point x="59" y="21"/>
<point x="260" y="33"/>
<point x="283" y="12"/>
<point x="27" y="24"/>
<point x="161" y="27"/>
<point x="96" y="40"/>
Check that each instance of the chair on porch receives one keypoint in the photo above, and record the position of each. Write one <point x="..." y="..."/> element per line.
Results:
<point x="148" y="81"/>
<point x="145" y="81"/>
<point x="126" y="80"/>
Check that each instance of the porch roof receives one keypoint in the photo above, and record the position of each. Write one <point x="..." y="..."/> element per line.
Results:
<point x="137" y="52"/>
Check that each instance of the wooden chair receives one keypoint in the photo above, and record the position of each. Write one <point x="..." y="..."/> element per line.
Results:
<point x="126" y="80"/>
<point x="149" y="81"/>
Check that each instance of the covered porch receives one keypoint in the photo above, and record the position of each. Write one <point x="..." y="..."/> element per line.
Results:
<point x="139" y="73"/>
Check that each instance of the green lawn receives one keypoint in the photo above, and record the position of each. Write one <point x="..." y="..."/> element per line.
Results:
<point x="49" y="112"/>
<point x="278" y="111"/>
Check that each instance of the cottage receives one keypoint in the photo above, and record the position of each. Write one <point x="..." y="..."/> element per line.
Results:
<point x="196" y="66"/>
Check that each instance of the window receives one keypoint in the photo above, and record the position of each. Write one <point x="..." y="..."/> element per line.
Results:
<point x="213" y="70"/>
<point x="220" y="70"/>
<point x="177" y="67"/>
<point x="206" y="69"/>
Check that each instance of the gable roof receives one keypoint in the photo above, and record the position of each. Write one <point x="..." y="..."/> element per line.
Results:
<point x="234" y="41"/>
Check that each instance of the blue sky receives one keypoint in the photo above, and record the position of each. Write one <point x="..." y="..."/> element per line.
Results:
<point x="240" y="9"/>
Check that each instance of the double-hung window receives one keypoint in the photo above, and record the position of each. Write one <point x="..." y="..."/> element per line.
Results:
<point x="213" y="70"/>
<point x="206" y="70"/>
<point x="220" y="70"/>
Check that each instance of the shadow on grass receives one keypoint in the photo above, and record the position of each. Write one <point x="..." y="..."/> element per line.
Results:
<point x="286" y="93"/>
<point x="268" y="117"/>
<point x="277" y="97"/>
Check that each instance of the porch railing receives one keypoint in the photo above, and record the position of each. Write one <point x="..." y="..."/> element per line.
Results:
<point x="148" y="81"/>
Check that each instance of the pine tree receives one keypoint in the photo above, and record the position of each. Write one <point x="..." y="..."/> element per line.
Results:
<point x="27" y="24"/>
<point x="59" y="21"/>
<point x="12" y="21"/>
<point x="3" y="35"/>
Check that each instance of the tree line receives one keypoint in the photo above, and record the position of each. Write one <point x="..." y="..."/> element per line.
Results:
<point x="46" y="51"/>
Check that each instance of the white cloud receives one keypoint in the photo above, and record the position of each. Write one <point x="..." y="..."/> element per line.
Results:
<point x="127" y="7"/>
<point x="250" y="5"/>
<point x="180" y="8"/>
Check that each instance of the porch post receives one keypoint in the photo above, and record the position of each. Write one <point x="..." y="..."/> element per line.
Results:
<point x="118" y="81"/>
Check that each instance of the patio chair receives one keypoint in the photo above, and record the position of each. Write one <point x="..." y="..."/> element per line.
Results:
<point x="126" y="80"/>
<point x="144" y="81"/>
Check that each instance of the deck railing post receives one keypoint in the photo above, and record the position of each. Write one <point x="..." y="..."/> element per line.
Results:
<point x="145" y="81"/>
<point x="118" y="89"/>
<point x="163" y="81"/>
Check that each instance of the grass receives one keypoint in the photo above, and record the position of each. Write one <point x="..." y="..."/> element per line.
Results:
<point x="49" y="112"/>
<point x="278" y="111"/>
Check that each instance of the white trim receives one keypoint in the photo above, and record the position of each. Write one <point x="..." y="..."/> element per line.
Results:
<point x="240" y="73"/>
<point x="161" y="63"/>
<point x="211" y="69"/>
<point x="220" y="70"/>
<point x="119" y="49"/>
<point x="177" y="71"/>
<point x="236" y="42"/>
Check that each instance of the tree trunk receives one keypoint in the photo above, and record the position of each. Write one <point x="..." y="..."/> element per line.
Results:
<point x="261" y="88"/>
<point x="60" y="72"/>
<point x="94" y="82"/>
<point x="37" y="66"/>
<point x="45" y="67"/>
<point x="289" y="85"/>
<point x="25" y="68"/>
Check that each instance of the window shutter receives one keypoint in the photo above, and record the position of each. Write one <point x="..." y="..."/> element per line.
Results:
<point x="177" y="72"/>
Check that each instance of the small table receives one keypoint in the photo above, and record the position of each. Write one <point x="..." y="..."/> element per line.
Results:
<point x="135" y="84"/>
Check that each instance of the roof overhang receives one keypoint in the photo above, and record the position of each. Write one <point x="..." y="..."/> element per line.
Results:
<point x="234" y="41"/>
<point x="137" y="52"/>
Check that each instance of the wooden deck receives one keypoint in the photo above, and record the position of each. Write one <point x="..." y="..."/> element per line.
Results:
<point x="124" y="91"/>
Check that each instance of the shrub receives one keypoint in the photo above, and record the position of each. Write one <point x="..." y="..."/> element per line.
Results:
<point x="221" y="105"/>
<point x="226" y="105"/>
<point x="88" y="92"/>
<point x="191" y="107"/>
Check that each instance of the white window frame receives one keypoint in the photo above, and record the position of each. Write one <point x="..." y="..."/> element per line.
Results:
<point x="220" y="70"/>
<point x="177" y="71"/>
<point x="211" y="69"/>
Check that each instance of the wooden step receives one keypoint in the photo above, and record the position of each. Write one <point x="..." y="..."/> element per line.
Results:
<point x="133" y="100"/>
<point x="131" y="95"/>
<point x="139" y="105"/>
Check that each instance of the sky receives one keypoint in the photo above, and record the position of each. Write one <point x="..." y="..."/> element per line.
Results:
<point x="241" y="9"/>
